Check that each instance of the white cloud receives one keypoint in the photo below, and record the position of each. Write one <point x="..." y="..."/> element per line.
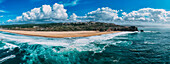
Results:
<point x="9" y="20"/>
<point x="1" y="16"/>
<point x="73" y="17"/>
<point x="144" y="15"/>
<point x="72" y="3"/>
<point x="57" y="12"/>
<point x="3" y="11"/>
<point x="124" y="13"/>
<point x="46" y="12"/>
<point x="147" y="15"/>
<point x="104" y="13"/>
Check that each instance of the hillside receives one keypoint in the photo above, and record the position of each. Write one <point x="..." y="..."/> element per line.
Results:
<point x="76" y="26"/>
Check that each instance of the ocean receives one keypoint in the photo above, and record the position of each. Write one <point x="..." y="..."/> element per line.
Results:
<point x="151" y="46"/>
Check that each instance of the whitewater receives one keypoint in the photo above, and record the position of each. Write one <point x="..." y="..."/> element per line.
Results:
<point x="151" y="46"/>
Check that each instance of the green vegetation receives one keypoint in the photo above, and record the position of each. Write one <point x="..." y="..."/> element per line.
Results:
<point x="76" y="26"/>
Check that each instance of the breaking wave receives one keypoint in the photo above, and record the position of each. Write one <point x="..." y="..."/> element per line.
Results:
<point x="150" y="46"/>
<point x="56" y="50"/>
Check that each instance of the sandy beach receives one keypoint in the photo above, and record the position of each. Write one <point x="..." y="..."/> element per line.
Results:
<point x="57" y="34"/>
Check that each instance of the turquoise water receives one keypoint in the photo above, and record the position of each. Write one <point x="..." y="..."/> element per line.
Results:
<point x="151" y="46"/>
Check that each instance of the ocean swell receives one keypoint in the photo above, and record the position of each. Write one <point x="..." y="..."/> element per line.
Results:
<point x="60" y="50"/>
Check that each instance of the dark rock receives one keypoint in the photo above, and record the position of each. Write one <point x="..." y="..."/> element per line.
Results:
<point x="141" y="30"/>
<point x="133" y="28"/>
<point x="23" y="51"/>
<point x="17" y="49"/>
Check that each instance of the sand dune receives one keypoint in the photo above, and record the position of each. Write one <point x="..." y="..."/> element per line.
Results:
<point x="57" y="34"/>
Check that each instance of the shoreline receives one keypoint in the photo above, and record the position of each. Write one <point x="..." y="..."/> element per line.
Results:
<point x="59" y="34"/>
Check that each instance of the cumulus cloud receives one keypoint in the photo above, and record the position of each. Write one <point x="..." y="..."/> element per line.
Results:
<point x="57" y="12"/>
<point x="9" y="20"/>
<point x="121" y="10"/>
<point x="124" y="13"/>
<point x="46" y="12"/>
<point x="73" y="17"/>
<point x="147" y="15"/>
<point x="104" y="13"/>
<point x="144" y="15"/>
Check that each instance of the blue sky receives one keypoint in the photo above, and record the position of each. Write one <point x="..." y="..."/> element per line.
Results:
<point x="10" y="9"/>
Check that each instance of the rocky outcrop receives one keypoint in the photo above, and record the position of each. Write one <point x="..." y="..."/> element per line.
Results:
<point x="131" y="28"/>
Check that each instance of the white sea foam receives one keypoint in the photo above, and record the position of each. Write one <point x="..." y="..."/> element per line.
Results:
<point x="6" y="58"/>
<point x="33" y="40"/>
<point x="69" y="44"/>
<point x="86" y="43"/>
<point x="151" y="31"/>
<point x="8" y="45"/>
<point x="80" y="44"/>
